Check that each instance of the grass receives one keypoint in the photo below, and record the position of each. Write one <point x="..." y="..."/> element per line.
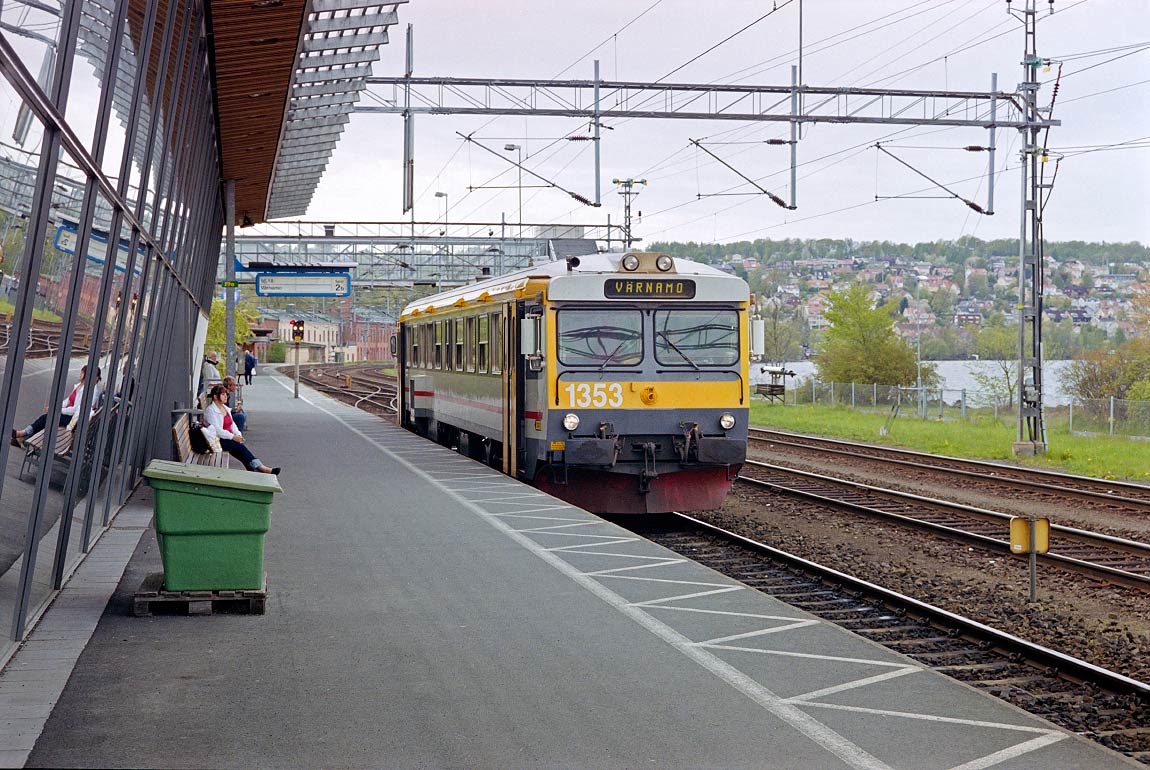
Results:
<point x="7" y="307"/>
<point x="979" y="437"/>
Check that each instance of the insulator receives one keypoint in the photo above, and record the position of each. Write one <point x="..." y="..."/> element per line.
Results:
<point x="777" y="141"/>
<point x="975" y="148"/>
<point x="779" y="201"/>
<point x="975" y="206"/>
<point x="581" y="199"/>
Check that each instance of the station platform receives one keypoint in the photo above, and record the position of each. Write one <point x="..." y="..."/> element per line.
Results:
<point x="425" y="611"/>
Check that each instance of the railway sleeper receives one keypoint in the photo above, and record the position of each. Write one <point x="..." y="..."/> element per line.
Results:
<point x="970" y="668"/>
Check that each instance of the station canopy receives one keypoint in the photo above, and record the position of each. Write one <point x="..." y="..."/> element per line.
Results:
<point x="288" y="74"/>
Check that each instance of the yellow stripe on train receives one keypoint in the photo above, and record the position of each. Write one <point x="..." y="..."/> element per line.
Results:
<point x="660" y="394"/>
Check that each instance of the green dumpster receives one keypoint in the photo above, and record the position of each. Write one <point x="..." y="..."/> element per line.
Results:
<point x="211" y="524"/>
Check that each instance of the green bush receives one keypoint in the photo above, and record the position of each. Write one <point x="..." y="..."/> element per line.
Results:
<point x="277" y="353"/>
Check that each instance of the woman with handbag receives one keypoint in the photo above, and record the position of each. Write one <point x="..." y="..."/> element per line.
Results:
<point x="219" y="416"/>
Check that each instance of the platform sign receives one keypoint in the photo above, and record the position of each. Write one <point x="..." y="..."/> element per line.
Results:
<point x="67" y="235"/>
<point x="303" y="284"/>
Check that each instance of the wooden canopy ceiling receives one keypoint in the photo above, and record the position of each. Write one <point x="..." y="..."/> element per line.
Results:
<point x="256" y="45"/>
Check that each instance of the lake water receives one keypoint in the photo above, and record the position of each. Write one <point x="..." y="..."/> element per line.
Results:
<point x="954" y="375"/>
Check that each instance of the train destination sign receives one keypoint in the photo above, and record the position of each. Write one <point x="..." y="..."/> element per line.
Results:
<point x="649" y="288"/>
<point x="303" y="284"/>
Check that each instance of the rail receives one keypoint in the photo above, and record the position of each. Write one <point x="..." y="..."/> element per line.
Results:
<point x="1109" y="490"/>
<point x="1117" y="560"/>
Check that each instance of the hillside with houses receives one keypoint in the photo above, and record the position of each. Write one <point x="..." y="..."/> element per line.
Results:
<point x="945" y="293"/>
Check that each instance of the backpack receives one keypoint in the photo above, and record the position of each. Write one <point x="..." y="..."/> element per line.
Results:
<point x="198" y="440"/>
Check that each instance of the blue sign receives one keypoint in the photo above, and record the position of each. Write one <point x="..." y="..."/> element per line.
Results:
<point x="303" y="284"/>
<point x="67" y="235"/>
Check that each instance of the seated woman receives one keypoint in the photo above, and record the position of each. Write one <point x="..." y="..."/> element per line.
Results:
<point x="67" y="409"/>
<point x="219" y="416"/>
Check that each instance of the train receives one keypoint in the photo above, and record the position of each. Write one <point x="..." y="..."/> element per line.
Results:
<point x="615" y="381"/>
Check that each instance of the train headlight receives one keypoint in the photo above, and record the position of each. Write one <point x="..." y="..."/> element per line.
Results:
<point x="570" y="421"/>
<point x="664" y="263"/>
<point x="630" y="262"/>
<point x="727" y="421"/>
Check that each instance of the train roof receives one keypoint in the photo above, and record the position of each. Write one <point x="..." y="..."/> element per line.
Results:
<point x="584" y="271"/>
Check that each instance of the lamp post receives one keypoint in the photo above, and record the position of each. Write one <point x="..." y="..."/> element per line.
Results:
<point x="446" y="208"/>
<point x="513" y="148"/>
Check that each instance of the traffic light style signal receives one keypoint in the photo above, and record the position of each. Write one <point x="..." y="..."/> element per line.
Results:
<point x="297" y="331"/>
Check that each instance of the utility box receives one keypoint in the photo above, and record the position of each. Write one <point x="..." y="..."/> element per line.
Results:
<point x="211" y="524"/>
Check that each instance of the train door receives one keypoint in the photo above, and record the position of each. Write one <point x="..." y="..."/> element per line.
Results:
<point x="399" y="355"/>
<point x="512" y="390"/>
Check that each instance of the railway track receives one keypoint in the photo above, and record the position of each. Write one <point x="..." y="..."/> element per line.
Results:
<point x="364" y="386"/>
<point x="44" y="338"/>
<point x="1112" y="493"/>
<point x="1117" y="560"/>
<point x="1104" y="705"/>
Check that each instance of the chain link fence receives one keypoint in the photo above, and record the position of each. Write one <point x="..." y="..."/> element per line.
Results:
<point x="1110" y="417"/>
<point x="1104" y="417"/>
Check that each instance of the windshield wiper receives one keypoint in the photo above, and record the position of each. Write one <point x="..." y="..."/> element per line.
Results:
<point x="611" y="357"/>
<point x="676" y="348"/>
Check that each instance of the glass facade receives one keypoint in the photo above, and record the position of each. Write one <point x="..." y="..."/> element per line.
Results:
<point x="111" y="214"/>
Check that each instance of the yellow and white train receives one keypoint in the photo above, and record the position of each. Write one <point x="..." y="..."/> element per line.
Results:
<point x="617" y="382"/>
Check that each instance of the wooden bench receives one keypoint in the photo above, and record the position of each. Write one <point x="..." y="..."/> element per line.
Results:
<point x="62" y="452"/>
<point x="181" y="432"/>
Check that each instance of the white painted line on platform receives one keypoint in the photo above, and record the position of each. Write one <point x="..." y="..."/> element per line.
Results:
<point x="554" y="527"/>
<point x="756" y="615"/>
<point x="930" y="717"/>
<point x="998" y="757"/>
<point x="809" y="656"/>
<point x="615" y="570"/>
<point x="808" y="696"/>
<point x="761" y="632"/>
<point x="696" y="595"/>
<point x="529" y="515"/>
<point x="574" y="548"/>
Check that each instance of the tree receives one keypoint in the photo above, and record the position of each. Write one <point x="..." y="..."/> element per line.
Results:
<point x="997" y="347"/>
<point x="860" y="345"/>
<point x="783" y="333"/>
<point x="217" y="328"/>
<point x="1107" y="373"/>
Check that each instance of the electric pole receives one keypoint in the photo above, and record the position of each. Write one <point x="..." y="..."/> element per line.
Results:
<point x="628" y="191"/>
<point x="1031" y="435"/>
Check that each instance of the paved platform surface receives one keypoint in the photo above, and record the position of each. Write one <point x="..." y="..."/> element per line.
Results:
<point x="427" y="612"/>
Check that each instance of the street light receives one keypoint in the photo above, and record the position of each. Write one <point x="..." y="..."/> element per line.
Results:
<point x="446" y="207"/>
<point x="513" y="148"/>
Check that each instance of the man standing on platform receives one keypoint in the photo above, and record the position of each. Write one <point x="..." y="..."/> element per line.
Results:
<point x="249" y="368"/>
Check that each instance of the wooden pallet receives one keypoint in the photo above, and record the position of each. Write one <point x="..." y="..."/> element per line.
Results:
<point x="152" y="592"/>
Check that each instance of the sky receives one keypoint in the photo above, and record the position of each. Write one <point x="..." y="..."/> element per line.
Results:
<point x="934" y="44"/>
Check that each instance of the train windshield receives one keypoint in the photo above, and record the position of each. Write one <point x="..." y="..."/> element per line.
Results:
<point x="697" y="337"/>
<point x="600" y="338"/>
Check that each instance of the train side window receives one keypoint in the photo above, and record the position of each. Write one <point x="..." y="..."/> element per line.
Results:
<point x="428" y="346"/>
<point x="482" y="348"/>
<point x="458" y="340"/>
<point x="413" y="346"/>
<point x="496" y="343"/>
<point x="439" y="344"/>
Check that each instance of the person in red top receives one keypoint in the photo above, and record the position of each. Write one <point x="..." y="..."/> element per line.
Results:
<point x="67" y="409"/>
<point x="219" y="416"/>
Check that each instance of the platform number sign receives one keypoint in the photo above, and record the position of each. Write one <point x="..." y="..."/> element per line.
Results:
<point x="297" y="331"/>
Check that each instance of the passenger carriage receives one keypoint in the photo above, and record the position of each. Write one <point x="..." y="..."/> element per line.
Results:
<point x="618" y="382"/>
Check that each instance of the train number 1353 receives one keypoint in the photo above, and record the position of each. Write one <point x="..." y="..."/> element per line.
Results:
<point x="599" y="394"/>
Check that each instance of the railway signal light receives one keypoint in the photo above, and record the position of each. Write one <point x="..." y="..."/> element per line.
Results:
<point x="297" y="331"/>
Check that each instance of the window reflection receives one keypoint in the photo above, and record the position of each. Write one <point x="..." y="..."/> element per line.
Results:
<point x="600" y="337"/>
<point x="697" y="337"/>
